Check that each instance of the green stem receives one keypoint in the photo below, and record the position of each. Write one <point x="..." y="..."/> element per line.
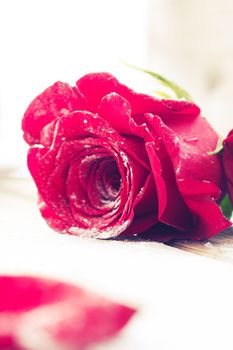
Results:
<point x="178" y="91"/>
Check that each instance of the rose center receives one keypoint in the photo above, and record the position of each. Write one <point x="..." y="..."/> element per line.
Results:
<point x="116" y="183"/>
<point x="110" y="179"/>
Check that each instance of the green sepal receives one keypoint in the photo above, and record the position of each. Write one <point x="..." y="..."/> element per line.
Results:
<point x="226" y="206"/>
<point x="218" y="148"/>
<point x="163" y="94"/>
<point x="177" y="90"/>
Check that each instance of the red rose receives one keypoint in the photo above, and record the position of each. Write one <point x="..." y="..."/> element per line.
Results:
<point x="228" y="162"/>
<point x="108" y="161"/>
<point x="37" y="313"/>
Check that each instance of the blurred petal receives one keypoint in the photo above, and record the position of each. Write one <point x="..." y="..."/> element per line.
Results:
<point x="49" y="314"/>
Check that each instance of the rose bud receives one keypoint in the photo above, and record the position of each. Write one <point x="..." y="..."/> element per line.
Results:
<point x="41" y="314"/>
<point x="108" y="162"/>
<point x="228" y="163"/>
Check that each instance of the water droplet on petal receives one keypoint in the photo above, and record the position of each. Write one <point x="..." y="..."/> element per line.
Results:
<point x="190" y="139"/>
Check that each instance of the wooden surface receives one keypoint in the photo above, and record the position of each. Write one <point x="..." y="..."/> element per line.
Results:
<point x="183" y="292"/>
<point x="219" y="247"/>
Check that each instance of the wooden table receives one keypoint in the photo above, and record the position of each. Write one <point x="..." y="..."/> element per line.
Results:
<point x="184" y="292"/>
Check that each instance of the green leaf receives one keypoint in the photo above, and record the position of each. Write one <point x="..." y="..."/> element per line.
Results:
<point x="226" y="206"/>
<point x="163" y="94"/>
<point x="218" y="148"/>
<point x="178" y="91"/>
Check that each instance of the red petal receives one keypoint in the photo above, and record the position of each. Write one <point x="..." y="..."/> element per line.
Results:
<point x="117" y="111"/>
<point x="172" y="209"/>
<point x="72" y="204"/>
<point x="51" y="313"/>
<point x="144" y="209"/>
<point x="51" y="217"/>
<point x="228" y="163"/>
<point x="209" y="219"/>
<point x="97" y="85"/>
<point x="57" y="100"/>
<point x="50" y="181"/>
<point x="194" y="167"/>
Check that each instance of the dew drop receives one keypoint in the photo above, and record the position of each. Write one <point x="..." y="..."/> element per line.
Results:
<point x="190" y="139"/>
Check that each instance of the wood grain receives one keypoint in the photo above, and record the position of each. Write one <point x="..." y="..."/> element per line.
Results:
<point x="219" y="247"/>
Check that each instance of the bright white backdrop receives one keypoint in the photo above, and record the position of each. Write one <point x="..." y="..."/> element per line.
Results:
<point x="45" y="41"/>
<point x="42" y="41"/>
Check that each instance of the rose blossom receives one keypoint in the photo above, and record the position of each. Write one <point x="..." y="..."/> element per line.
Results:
<point x="108" y="161"/>
<point x="39" y="313"/>
<point x="228" y="162"/>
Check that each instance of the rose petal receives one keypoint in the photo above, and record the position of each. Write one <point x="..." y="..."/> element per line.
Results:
<point x="209" y="219"/>
<point x="192" y="167"/>
<point x="172" y="209"/>
<point x="57" y="100"/>
<point x="117" y="111"/>
<point x="49" y="314"/>
<point x="228" y="163"/>
<point x="81" y="125"/>
<point x="145" y="209"/>
<point x="97" y="85"/>
<point x="66" y="196"/>
<point x="51" y="217"/>
<point x="50" y="181"/>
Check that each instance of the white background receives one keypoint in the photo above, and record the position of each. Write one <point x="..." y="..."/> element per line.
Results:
<point x="44" y="41"/>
